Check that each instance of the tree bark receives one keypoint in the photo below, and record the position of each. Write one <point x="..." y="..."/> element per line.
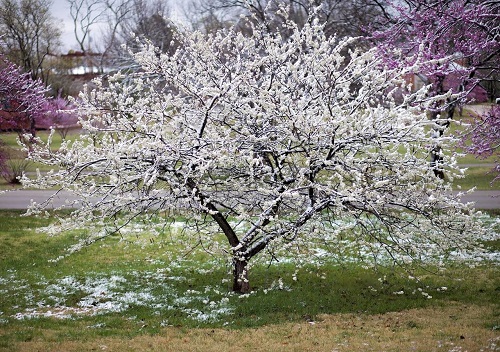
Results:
<point x="240" y="276"/>
<point x="436" y="158"/>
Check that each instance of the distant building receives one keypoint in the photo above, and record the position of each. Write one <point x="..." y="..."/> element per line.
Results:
<point x="71" y="71"/>
<point x="78" y="63"/>
<point x="451" y="81"/>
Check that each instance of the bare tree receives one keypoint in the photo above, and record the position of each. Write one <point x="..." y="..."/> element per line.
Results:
<point x="86" y="15"/>
<point x="123" y="22"/>
<point x="28" y="34"/>
<point x="117" y="13"/>
<point x="216" y="14"/>
<point x="150" y="20"/>
<point x="342" y="18"/>
<point x="97" y="25"/>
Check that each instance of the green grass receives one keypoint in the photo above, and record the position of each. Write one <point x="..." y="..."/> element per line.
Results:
<point x="479" y="177"/>
<point x="457" y="129"/>
<point x="14" y="151"/>
<point x="181" y="296"/>
<point x="473" y="160"/>
<point x="10" y="139"/>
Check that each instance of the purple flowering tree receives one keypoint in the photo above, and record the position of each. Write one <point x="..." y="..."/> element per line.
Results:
<point x="22" y="100"/>
<point x="23" y="105"/>
<point x="61" y="116"/>
<point x="459" y="41"/>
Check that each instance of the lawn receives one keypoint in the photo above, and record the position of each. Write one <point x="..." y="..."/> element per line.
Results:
<point x="482" y="178"/>
<point x="10" y="138"/>
<point x="138" y="292"/>
<point x="17" y="156"/>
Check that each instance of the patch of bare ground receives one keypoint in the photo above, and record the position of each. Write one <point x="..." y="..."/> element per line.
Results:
<point x="456" y="328"/>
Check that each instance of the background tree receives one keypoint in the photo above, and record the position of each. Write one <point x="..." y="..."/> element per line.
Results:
<point x="23" y="100"/>
<point x="97" y="26"/>
<point x="270" y="143"/>
<point x="86" y="15"/>
<point x="149" y="20"/>
<point x="116" y="12"/>
<point x="458" y="38"/>
<point x="28" y="34"/>
<point x="23" y="105"/>
<point x="125" y="22"/>
<point x="341" y="18"/>
<point x="61" y="116"/>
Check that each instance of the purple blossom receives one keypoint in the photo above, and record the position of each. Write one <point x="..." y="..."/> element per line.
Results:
<point x="22" y="100"/>
<point x="453" y="37"/>
<point x="455" y="44"/>
<point x="60" y="115"/>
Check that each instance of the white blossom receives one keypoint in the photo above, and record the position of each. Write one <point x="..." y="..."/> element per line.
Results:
<point x="286" y="137"/>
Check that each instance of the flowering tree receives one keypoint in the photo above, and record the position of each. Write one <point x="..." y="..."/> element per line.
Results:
<point x="61" y="116"/>
<point x="269" y="142"/>
<point x="22" y="105"/>
<point x="25" y="106"/>
<point x="23" y="100"/>
<point x="456" y="37"/>
<point x="459" y="40"/>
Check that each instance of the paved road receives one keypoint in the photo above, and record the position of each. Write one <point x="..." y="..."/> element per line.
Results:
<point x="483" y="199"/>
<point x="20" y="199"/>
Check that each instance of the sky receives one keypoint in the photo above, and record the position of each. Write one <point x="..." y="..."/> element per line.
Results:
<point x="60" y="11"/>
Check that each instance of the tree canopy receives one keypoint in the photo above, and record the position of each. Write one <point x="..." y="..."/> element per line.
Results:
<point x="268" y="141"/>
<point x="458" y="39"/>
<point x="28" y="35"/>
<point x="23" y="101"/>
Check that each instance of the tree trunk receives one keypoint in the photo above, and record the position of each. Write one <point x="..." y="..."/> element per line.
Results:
<point x="437" y="162"/>
<point x="240" y="276"/>
<point x="436" y="158"/>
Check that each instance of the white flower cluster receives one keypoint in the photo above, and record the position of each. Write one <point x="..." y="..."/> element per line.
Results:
<point x="279" y="136"/>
